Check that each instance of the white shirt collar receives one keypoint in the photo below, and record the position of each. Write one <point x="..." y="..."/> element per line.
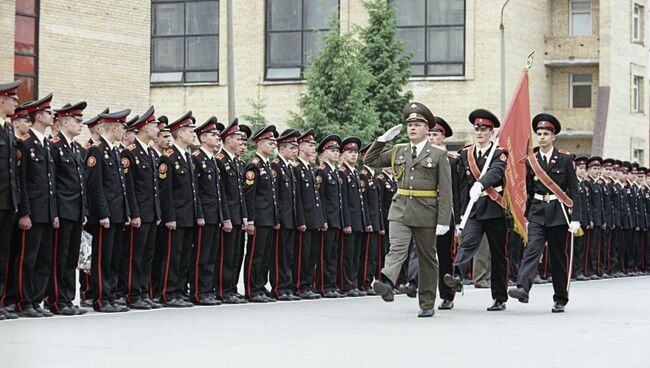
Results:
<point x="351" y="167"/>
<point x="108" y="142"/>
<point x="483" y="151"/>
<point x="207" y="153"/>
<point x="144" y="145"/>
<point x="182" y="151"/>
<point x="303" y="161"/>
<point x="286" y="162"/>
<point x="264" y="159"/>
<point x="330" y="165"/>
<point x="547" y="155"/>
<point x="157" y="152"/>
<point x="38" y="135"/>
<point x="372" y="172"/>
<point x="68" y="140"/>
<point x="232" y="156"/>
<point x="418" y="147"/>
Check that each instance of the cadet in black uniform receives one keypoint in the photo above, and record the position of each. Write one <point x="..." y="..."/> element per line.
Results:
<point x="553" y="208"/>
<point x="141" y="174"/>
<point x="207" y="240"/>
<point x="596" y="217"/>
<point x="355" y="218"/>
<point x="388" y="188"/>
<point x="579" y="245"/>
<point x="637" y="252"/>
<point x="308" y="242"/>
<point x="292" y="219"/>
<point x="244" y="133"/>
<point x="329" y="187"/>
<point x="231" y="179"/>
<point x="612" y="208"/>
<point x="630" y="231"/>
<point x="9" y="187"/>
<point x="488" y="213"/>
<point x="72" y="209"/>
<point x="181" y="211"/>
<point x="108" y="210"/>
<point x="263" y="217"/>
<point x="623" y="221"/>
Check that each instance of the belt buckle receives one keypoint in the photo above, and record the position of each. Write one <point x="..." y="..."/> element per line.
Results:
<point x="547" y="198"/>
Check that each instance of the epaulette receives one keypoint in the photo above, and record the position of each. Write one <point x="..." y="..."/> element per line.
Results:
<point x="322" y="166"/>
<point x="465" y="148"/>
<point x="364" y="171"/>
<point x="196" y="153"/>
<point x="220" y="156"/>
<point x="564" y="152"/>
<point x="342" y="168"/>
<point x="55" y="139"/>
<point x="400" y="145"/>
<point x="169" y="153"/>
<point x="439" y="147"/>
<point x="97" y="144"/>
<point x="24" y="137"/>
<point x="276" y="160"/>
<point x="380" y="176"/>
<point x="255" y="161"/>
<point x="86" y="146"/>
<point x="132" y="146"/>
<point x="452" y="155"/>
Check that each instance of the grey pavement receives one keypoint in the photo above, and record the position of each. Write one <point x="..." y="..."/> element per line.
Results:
<point x="607" y="324"/>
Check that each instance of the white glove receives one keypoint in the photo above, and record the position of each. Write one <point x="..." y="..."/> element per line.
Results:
<point x="574" y="226"/>
<point x="442" y="229"/>
<point x="475" y="191"/>
<point x="390" y="134"/>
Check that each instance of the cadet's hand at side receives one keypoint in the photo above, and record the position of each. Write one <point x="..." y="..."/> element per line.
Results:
<point x="574" y="226"/>
<point x="442" y="229"/>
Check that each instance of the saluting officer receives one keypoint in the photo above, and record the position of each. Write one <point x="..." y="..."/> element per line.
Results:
<point x="552" y="209"/>
<point x="487" y="216"/>
<point x="292" y="219"/>
<point x="9" y="187"/>
<point x="72" y="209"/>
<point x="308" y="242"/>
<point x="108" y="210"/>
<point x="37" y="212"/>
<point x="329" y="188"/>
<point x="181" y="211"/>
<point x="141" y="174"/>
<point x="422" y="207"/>
<point x="263" y="217"/>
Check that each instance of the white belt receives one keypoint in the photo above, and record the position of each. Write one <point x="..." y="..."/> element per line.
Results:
<point x="497" y="189"/>
<point x="545" y="197"/>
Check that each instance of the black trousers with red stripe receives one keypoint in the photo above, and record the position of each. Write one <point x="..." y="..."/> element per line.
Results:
<point x="593" y="251"/>
<point x="281" y="261"/>
<point x="497" y="236"/>
<point x="615" y="250"/>
<point x="227" y="272"/>
<point x="557" y="238"/>
<point x="369" y="267"/>
<point x="160" y="248"/>
<point x="34" y="264"/>
<point x="7" y="226"/>
<point x="349" y="260"/>
<point x="579" y="246"/>
<point x="67" y="240"/>
<point x="605" y="250"/>
<point x="104" y="264"/>
<point x="175" y="263"/>
<point x="446" y="250"/>
<point x="305" y="259"/>
<point x="139" y="255"/>
<point x="328" y="257"/>
<point x="256" y="262"/>
<point x="204" y="261"/>
<point x="121" y="279"/>
<point x="239" y="258"/>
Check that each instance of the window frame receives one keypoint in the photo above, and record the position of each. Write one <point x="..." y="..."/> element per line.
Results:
<point x="572" y="84"/>
<point x="267" y="37"/>
<point x="426" y="28"/>
<point x="36" y="16"/>
<point x="637" y="93"/>
<point x="637" y="23"/>
<point x="184" y="36"/>
<point x="572" y="12"/>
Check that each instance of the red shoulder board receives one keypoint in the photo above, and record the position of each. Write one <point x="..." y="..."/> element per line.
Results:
<point x="86" y="146"/>
<point x="364" y="172"/>
<point x="380" y="176"/>
<point x="342" y="168"/>
<point x="96" y="144"/>
<point x="196" y="153"/>
<point x="220" y="156"/>
<point x="131" y="147"/>
<point x="24" y="137"/>
<point x="276" y="160"/>
<point x="169" y="153"/>
<point x="564" y="152"/>
<point x="322" y="166"/>
<point x="255" y="161"/>
<point x="55" y="139"/>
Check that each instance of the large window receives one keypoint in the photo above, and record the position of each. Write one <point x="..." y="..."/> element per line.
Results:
<point x="26" y="49"/>
<point x="637" y="94"/>
<point x="291" y="35"/>
<point x="580" y="19"/>
<point x="434" y="31"/>
<point x="637" y="24"/>
<point x="581" y="90"/>
<point x="184" y="41"/>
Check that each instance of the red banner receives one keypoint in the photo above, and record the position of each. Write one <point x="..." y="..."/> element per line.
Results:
<point x="515" y="135"/>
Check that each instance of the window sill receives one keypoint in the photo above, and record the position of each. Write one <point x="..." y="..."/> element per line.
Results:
<point x="282" y="82"/>
<point x="200" y="84"/>
<point x="449" y="78"/>
<point x="638" y="42"/>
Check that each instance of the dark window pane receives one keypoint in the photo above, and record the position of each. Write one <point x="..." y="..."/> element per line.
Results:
<point x="441" y="12"/>
<point x="202" y="52"/>
<point x="284" y="49"/>
<point x="283" y="73"/>
<point x="167" y="54"/>
<point x="581" y="96"/>
<point x="27" y="90"/>
<point x="26" y="7"/>
<point x="410" y="12"/>
<point x="445" y="44"/>
<point x="202" y="76"/>
<point x="313" y="44"/>
<point x="414" y="39"/>
<point x="202" y="17"/>
<point x="285" y="15"/>
<point x="417" y="70"/>
<point x="24" y="65"/>
<point x="167" y="19"/>
<point x="319" y="12"/>
<point x="445" y="69"/>
<point x="25" y="34"/>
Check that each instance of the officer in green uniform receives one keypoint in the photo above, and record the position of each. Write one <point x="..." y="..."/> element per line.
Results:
<point x="422" y="207"/>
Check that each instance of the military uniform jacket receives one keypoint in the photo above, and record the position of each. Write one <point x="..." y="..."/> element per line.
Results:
<point x="624" y="205"/>
<point x="428" y="171"/>
<point x="584" y="203"/>
<point x="387" y="190"/>
<point x="259" y="191"/>
<point x="595" y="202"/>
<point x="329" y="188"/>
<point x="179" y="199"/>
<point x="105" y="184"/>
<point x="354" y="211"/>
<point x="232" y="172"/>
<point x="9" y="185"/>
<point x="560" y="169"/>
<point x="211" y="193"/>
<point x="631" y="200"/>
<point x="37" y="179"/>
<point x="307" y="190"/>
<point x="289" y="203"/>
<point x="371" y="195"/>
<point x="485" y="208"/>
<point x="640" y="208"/>
<point x="608" y="210"/>
<point x="141" y="174"/>
<point x="615" y="200"/>
<point x="70" y="186"/>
